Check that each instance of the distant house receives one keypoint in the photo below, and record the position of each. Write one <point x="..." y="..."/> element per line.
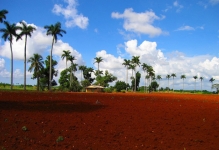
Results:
<point x="94" y="88"/>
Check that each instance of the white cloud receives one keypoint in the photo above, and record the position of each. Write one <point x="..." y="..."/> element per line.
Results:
<point x="187" y="28"/>
<point x="214" y="2"/>
<point x="141" y="23"/>
<point x="176" y="62"/>
<point x="71" y="14"/>
<point x="38" y="43"/>
<point x="178" y="6"/>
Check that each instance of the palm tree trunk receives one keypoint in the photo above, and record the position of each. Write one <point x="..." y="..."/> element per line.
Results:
<point x="25" y="62"/>
<point x="11" y="65"/>
<point x="38" y="83"/>
<point x="126" y="77"/>
<point x="50" y="67"/>
<point x="135" y="80"/>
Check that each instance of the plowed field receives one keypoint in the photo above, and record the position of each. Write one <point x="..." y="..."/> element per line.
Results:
<point x="65" y="121"/>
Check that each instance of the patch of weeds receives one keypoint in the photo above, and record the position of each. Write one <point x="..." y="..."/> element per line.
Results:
<point x="59" y="139"/>
<point x="6" y="120"/>
<point x="24" y="128"/>
<point x="3" y="148"/>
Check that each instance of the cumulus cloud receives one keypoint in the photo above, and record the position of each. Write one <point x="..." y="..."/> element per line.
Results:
<point x="175" y="62"/>
<point x="38" y="43"/>
<point x="140" y="23"/>
<point x="71" y="14"/>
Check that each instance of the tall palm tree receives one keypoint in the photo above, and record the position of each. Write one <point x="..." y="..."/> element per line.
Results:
<point x="8" y="33"/>
<point x="98" y="60"/>
<point x="36" y="66"/>
<point x="201" y="78"/>
<point x="72" y="67"/>
<point x="147" y="77"/>
<point x="168" y="77"/>
<point x="126" y="63"/>
<point x="195" y="77"/>
<point x="173" y="75"/>
<point x="212" y="80"/>
<point x="26" y="30"/>
<point x="150" y="72"/>
<point x="2" y="15"/>
<point x="159" y="78"/>
<point x="136" y="62"/>
<point x="144" y="68"/>
<point x="183" y="77"/>
<point x="66" y="54"/>
<point x="53" y="30"/>
<point x="82" y="68"/>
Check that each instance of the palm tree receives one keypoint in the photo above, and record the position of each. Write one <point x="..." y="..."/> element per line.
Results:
<point x="8" y="34"/>
<point x="53" y="30"/>
<point x="98" y="60"/>
<point x="26" y="30"/>
<point x="136" y="62"/>
<point x="150" y="72"/>
<point x="82" y="68"/>
<point x="168" y="77"/>
<point x="173" y="75"/>
<point x="2" y="15"/>
<point x="147" y="77"/>
<point x="212" y="80"/>
<point x="144" y="68"/>
<point x="195" y="77"/>
<point x="126" y="63"/>
<point x="72" y="67"/>
<point x="201" y="78"/>
<point x="159" y="78"/>
<point x="183" y="77"/>
<point x="66" y="54"/>
<point x="36" y="65"/>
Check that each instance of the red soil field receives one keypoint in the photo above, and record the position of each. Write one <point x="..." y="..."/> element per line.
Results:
<point x="65" y="121"/>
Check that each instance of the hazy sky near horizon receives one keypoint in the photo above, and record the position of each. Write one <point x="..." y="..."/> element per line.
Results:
<point x="173" y="36"/>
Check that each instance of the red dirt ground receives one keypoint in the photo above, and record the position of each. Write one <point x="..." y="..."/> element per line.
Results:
<point x="120" y="121"/>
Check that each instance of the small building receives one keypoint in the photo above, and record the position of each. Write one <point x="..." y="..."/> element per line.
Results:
<point x="94" y="88"/>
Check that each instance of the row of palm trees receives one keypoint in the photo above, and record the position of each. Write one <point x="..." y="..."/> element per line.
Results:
<point x="11" y="31"/>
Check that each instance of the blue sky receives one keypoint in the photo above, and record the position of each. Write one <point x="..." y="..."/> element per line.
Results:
<point x="174" y="36"/>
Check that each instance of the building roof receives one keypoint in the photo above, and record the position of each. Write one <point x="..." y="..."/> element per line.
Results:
<point x="94" y="87"/>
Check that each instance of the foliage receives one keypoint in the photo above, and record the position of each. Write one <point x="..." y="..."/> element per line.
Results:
<point x="44" y="79"/>
<point x="87" y="74"/>
<point x="120" y="85"/>
<point x="138" y="76"/>
<point x="154" y="85"/>
<point x="105" y="80"/>
<point x="84" y="84"/>
<point x="59" y="139"/>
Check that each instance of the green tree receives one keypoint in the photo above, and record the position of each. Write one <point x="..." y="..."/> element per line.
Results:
<point x="8" y="33"/>
<point x="144" y="68"/>
<point x="64" y="79"/>
<point x="135" y="82"/>
<point x="211" y="80"/>
<point x="168" y="77"/>
<point x="36" y="65"/>
<point x="201" y="78"/>
<point x="85" y="83"/>
<point x="98" y="60"/>
<point x="173" y="75"/>
<point x="45" y="73"/>
<point x="120" y="85"/>
<point x="87" y="74"/>
<point x="72" y="68"/>
<point x="159" y="78"/>
<point x="195" y="77"/>
<point x="66" y="55"/>
<point x="126" y="63"/>
<point x="2" y="15"/>
<point x="136" y="62"/>
<point x="82" y="68"/>
<point x="26" y="30"/>
<point x="53" y="30"/>
<point x="154" y="85"/>
<point x="183" y="77"/>
<point x="105" y="79"/>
